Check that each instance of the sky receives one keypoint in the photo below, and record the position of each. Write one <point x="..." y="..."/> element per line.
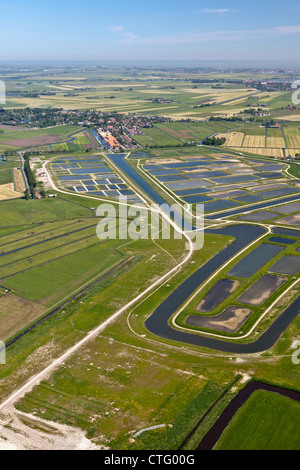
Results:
<point x="149" y="30"/>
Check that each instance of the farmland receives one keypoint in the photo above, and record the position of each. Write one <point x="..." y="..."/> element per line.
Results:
<point x="267" y="142"/>
<point x="75" y="309"/>
<point x="177" y="133"/>
<point x="267" y="421"/>
<point x="26" y="138"/>
<point x="59" y="234"/>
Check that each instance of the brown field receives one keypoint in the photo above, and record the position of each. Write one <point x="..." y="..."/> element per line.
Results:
<point x="233" y="139"/>
<point x="291" y="117"/>
<point x="275" y="142"/>
<point x="92" y="140"/>
<point x="294" y="141"/>
<point x="19" y="180"/>
<point x="292" y="151"/>
<point x="266" y="152"/>
<point x="7" y="191"/>
<point x="179" y="134"/>
<point x="33" y="141"/>
<point x="12" y="128"/>
<point x="254" y="141"/>
<point x="15" y="313"/>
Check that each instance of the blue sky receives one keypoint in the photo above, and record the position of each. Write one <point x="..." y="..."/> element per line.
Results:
<point x="149" y="30"/>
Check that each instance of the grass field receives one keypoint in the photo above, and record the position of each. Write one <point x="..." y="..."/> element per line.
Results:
<point x="267" y="421"/>
<point x="116" y="381"/>
<point x="40" y="211"/>
<point x="23" y="138"/>
<point x="175" y="133"/>
<point x="6" y="169"/>
<point x="179" y="98"/>
<point x="126" y="379"/>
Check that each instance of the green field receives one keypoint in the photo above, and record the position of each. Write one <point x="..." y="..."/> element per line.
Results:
<point x="127" y="379"/>
<point x="6" y="174"/>
<point x="10" y="139"/>
<point x="20" y="212"/>
<point x="175" y="133"/>
<point x="267" y="421"/>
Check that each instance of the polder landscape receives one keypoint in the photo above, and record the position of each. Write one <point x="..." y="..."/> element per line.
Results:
<point x="149" y="343"/>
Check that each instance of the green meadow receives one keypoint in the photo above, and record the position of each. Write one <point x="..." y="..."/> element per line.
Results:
<point x="267" y="421"/>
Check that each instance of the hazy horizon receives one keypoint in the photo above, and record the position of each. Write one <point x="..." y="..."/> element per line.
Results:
<point x="132" y="30"/>
<point x="267" y="64"/>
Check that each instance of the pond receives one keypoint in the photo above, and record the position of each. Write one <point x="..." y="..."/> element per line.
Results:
<point x="287" y="265"/>
<point x="261" y="290"/>
<point x="255" y="260"/>
<point x="217" y="295"/>
<point x="228" y="321"/>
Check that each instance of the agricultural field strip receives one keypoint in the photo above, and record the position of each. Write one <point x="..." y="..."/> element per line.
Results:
<point x="275" y="139"/>
<point x="20" y="246"/>
<point x="12" y="230"/>
<point x="47" y="260"/>
<point x="34" y="253"/>
<point x="36" y="379"/>
<point x="20" y="139"/>
<point x="17" y="235"/>
<point x="55" y="250"/>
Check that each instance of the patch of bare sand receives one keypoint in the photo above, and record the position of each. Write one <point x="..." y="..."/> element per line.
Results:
<point x="235" y="322"/>
<point x="163" y="161"/>
<point x="23" y="431"/>
<point x="290" y="220"/>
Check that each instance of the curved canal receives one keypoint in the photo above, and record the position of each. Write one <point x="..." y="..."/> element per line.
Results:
<point x="214" y="434"/>
<point x="158" y="322"/>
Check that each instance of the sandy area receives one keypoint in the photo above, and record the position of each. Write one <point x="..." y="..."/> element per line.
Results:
<point x="22" y="431"/>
